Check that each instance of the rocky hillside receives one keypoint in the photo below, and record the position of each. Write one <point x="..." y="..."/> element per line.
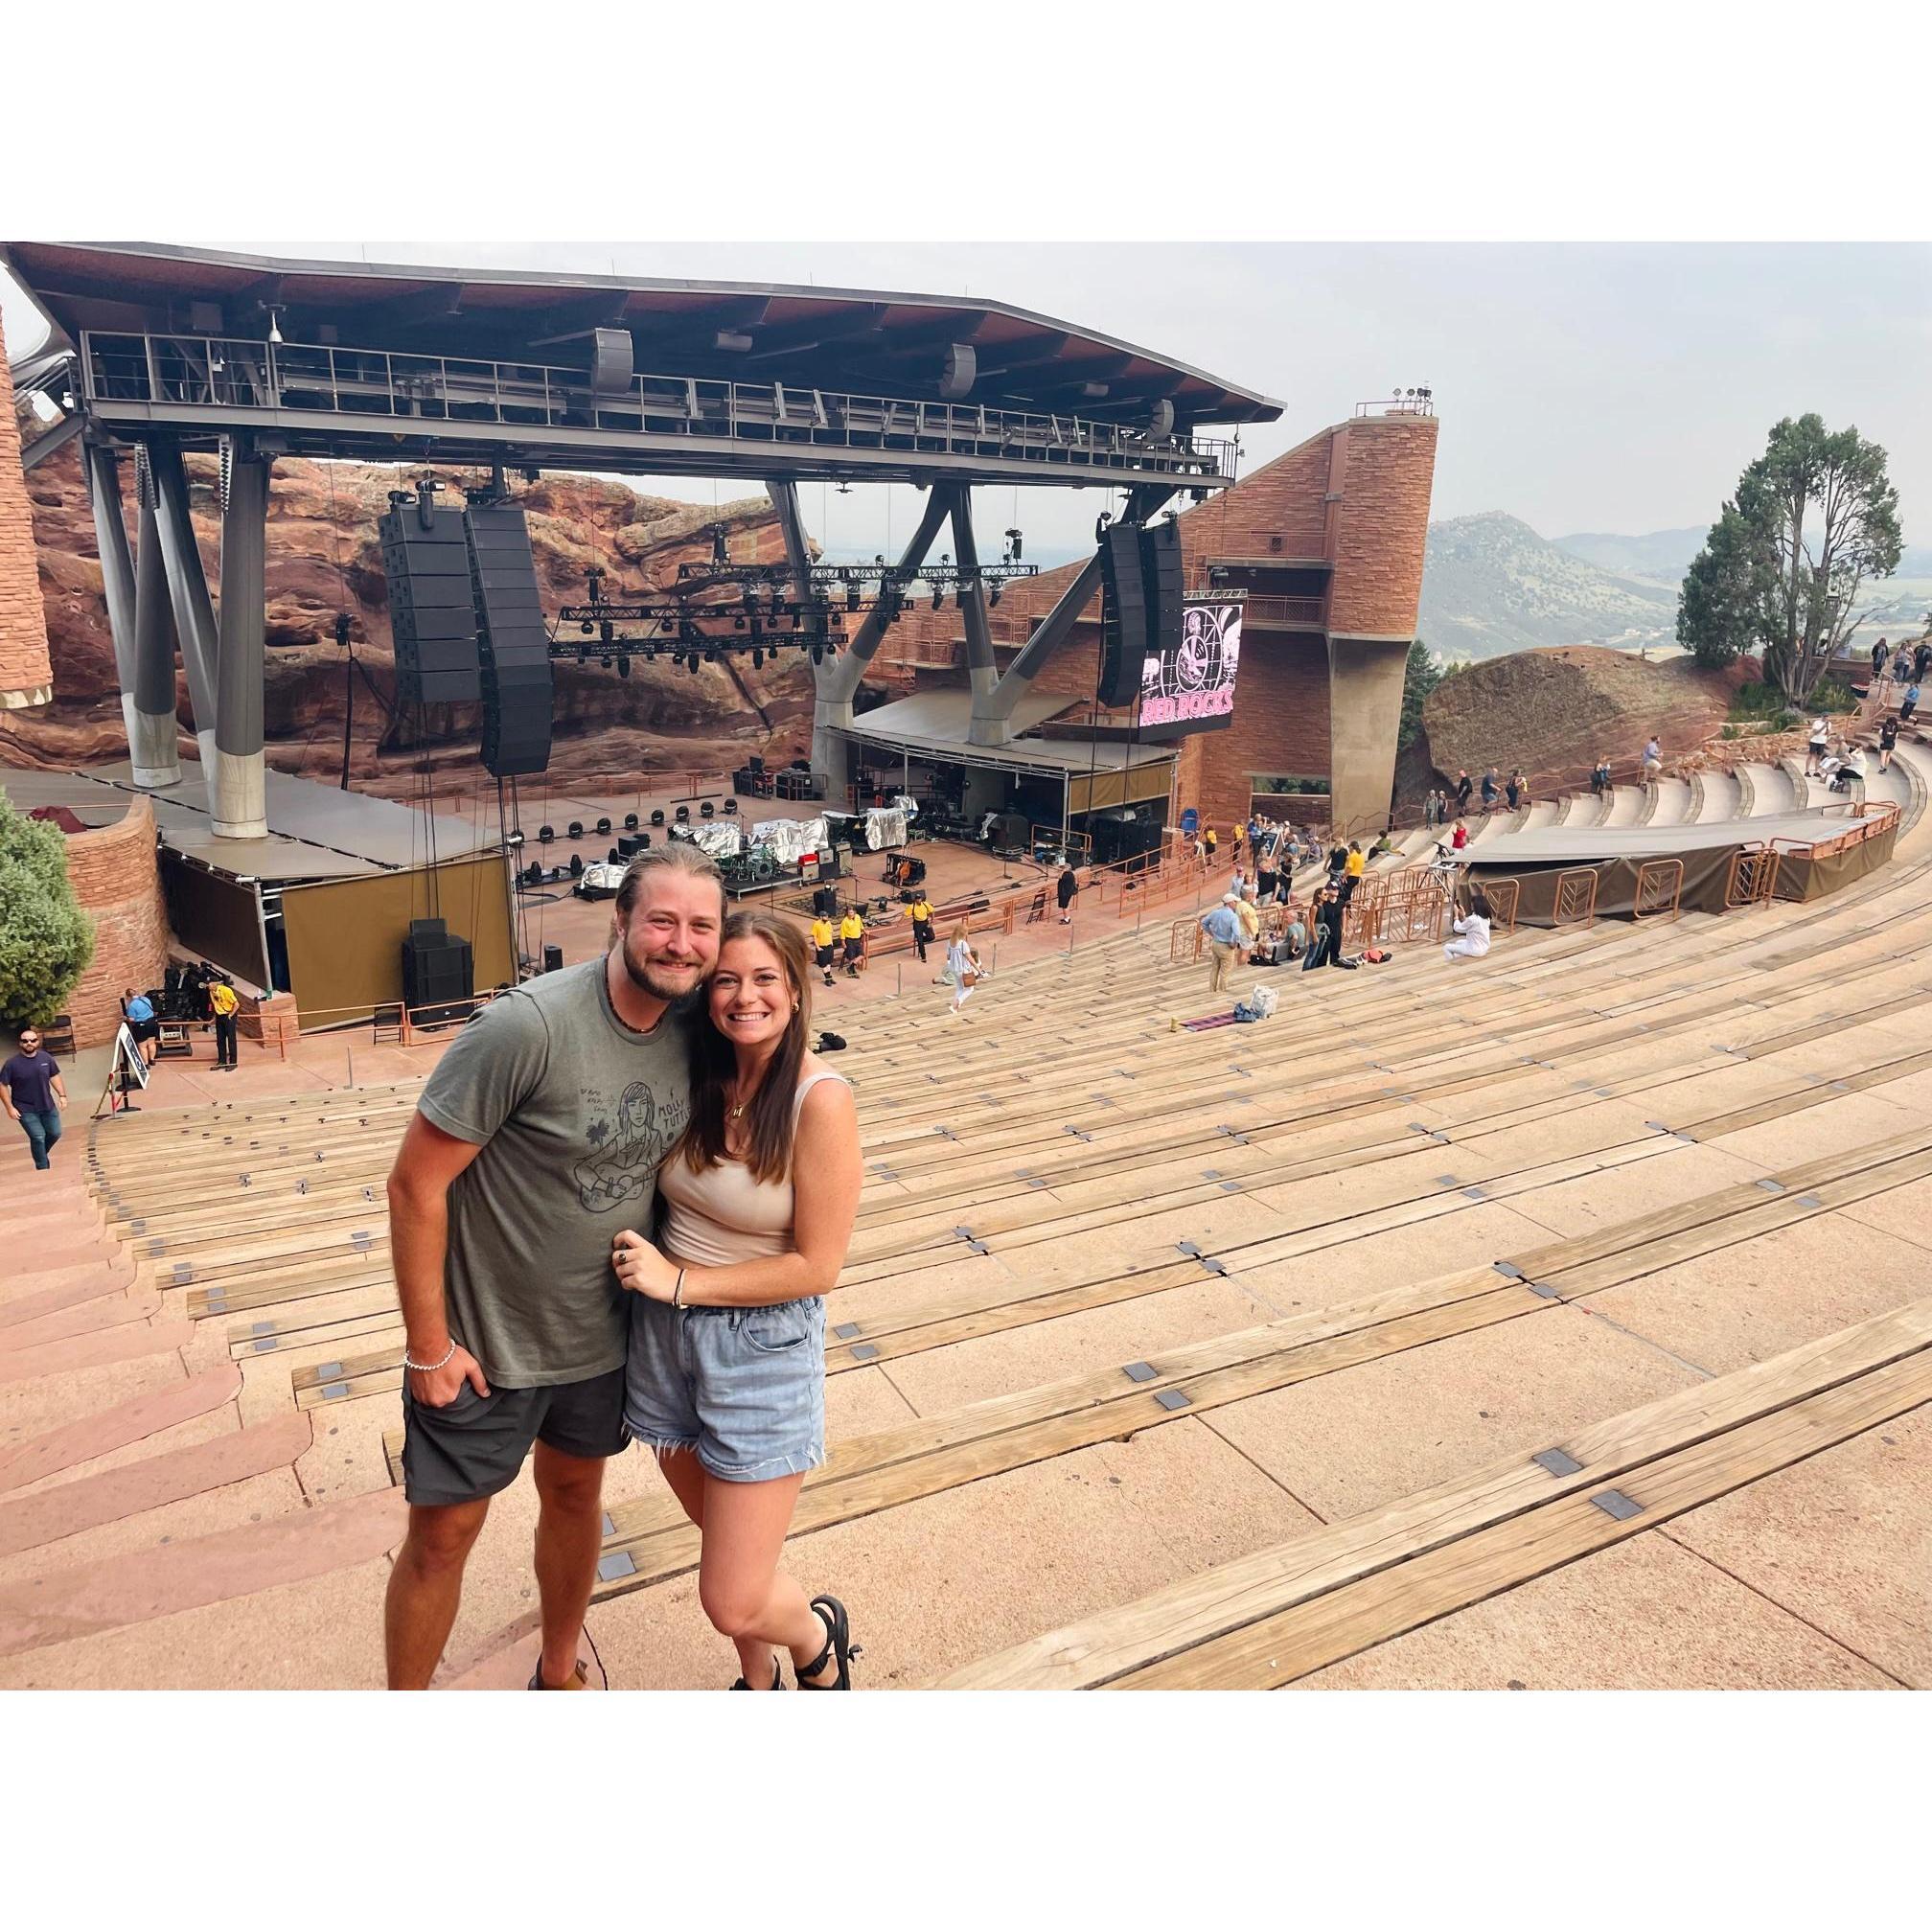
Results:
<point x="1491" y="585"/>
<point x="1552" y="712"/>
<point x="1659" y="556"/>
<point x="324" y="557"/>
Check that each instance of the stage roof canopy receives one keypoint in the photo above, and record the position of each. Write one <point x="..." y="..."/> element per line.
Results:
<point x="874" y="340"/>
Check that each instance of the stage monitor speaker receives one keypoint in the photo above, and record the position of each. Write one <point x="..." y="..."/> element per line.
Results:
<point x="553" y="958"/>
<point x="432" y="609"/>
<point x="513" y="642"/>
<point x="436" y="971"/>
<point x="1123" y="618"/>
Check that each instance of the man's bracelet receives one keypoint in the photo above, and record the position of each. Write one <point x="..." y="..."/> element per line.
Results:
<point x="429" y="1368"/>
<point x="677" y="1291"/>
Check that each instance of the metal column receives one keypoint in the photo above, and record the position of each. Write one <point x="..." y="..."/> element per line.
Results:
<point x="149" y="739"/>
<point x="157" y="746"/>
<point x="239" y="790"/>
<point x="982" y="670"/>
<point x="186" y="593"/>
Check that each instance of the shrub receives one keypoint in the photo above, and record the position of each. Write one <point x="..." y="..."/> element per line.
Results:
<point x="45" y="939"/>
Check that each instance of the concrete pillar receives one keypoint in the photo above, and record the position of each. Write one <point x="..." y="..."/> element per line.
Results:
<point x="838" y="678"/>
<point x="153" y="731"/>
<point x="151" y="739"/>
<point x="238" y="792"/>
<point x="186" y="593"/>
<point x="981" y="671"/>
<point x="26" y="670"/>
<point x="1365" y="715"/>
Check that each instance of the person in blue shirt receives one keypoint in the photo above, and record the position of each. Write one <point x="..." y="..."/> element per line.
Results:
<point x="142" y="1023"/>
<point x="1224" y="937"/>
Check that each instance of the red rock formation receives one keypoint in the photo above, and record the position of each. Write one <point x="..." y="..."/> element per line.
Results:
<point x="324" y="557"/>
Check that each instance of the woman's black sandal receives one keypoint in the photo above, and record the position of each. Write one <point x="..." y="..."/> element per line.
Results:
<point x="777" y="1676"/>
<point x="839" y="1643"/>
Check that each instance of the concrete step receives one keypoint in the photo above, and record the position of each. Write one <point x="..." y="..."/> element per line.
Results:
<point x="1672" y="800"/>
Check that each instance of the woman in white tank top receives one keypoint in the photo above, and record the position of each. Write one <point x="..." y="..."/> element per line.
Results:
<point x="726" y="1377"/>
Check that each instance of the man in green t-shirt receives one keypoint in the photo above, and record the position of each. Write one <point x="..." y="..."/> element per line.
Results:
<point x="538" y="1136"/>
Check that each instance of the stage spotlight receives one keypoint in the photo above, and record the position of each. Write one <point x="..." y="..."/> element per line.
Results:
<point x="711" y="653"/>
<point x="992" y="596"/>
<point x="623" y="667"/>
<point x="737" y="623"/>
<point x="650" y="654"/>
<point x="818" y="653"/>
<point x="587" y="628"/>
<point x="757" y="658"/>
<point x="938" y="598"/>
<point x="691" y="663"/>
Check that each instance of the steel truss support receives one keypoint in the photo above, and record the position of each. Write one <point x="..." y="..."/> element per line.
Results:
<point x="993" y="708"/>
<point x="187" y="591"/>
<point x="238" y="800"/>
<point x="981" y="671"/>
<point x="146" y="700"/>
<point x="836" y="679"/>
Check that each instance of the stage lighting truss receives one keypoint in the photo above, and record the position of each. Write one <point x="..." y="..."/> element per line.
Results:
<point x="765" y="614"/>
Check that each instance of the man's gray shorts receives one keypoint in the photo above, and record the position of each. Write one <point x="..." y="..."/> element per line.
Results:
<point x="475" y="1446"/>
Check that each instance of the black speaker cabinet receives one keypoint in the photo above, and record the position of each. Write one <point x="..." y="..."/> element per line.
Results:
<point x="553" y="958"/>
<point x="432" y="610"/>
<point x="1161" y="580"/>
<point x="436" y="969"/>
<point x="512" y="645"/>
<point x="1123" y="615"/>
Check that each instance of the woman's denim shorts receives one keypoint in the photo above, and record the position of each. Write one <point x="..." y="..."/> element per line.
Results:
<point x="742" y="1389"/>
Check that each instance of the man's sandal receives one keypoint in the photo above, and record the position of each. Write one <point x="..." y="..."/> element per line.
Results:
<point x="578" y="1680"/>
<point x="777" y="1676"/>
<point x="838" y="1642"/>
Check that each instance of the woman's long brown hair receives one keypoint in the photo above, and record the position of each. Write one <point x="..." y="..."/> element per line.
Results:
<point x="714" y="1063"/>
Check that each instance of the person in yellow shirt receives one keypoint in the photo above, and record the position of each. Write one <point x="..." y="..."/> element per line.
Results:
<point x="920" y="912"/>
<point x="852" y="930"/>
<point x="821" y="946"/>
<point x="1250" y="918"/>
<point x="225" y="1003"/>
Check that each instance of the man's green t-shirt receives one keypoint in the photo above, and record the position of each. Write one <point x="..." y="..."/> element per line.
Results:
<point x="574" y="1111"/>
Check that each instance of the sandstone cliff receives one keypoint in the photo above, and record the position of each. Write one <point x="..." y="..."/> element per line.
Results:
<point x="1552" y="712"/>
<point x="324" y="557"/>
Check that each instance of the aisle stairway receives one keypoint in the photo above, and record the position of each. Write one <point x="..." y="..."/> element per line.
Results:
<point x="1161" y="1355"/>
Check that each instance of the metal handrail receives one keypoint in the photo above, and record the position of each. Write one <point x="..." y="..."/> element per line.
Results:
<point x="230" y="372"/>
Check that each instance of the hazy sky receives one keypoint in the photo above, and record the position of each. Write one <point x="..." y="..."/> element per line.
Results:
<point x="1581" y="386"/>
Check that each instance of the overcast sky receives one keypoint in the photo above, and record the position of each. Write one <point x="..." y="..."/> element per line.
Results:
<point x="1581" y="387"/>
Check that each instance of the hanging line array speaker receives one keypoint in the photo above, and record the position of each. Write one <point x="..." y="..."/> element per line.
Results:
<point x="432" y="608"/>
<point x="1141" y="611"/>
<point x="512" y="645"/>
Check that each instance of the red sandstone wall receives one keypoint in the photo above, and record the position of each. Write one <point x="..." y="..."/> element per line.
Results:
<point x="117" y="880"/>
<point x="1383" y="527"/>
<point x="26" y="673"/>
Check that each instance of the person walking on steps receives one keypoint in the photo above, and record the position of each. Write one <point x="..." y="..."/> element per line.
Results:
<point x="1464" y="789"/>
<point x="962" y="962"/>
<point x="852" y="931"/>
<point x="1067" y="890"/>
<point x="1489" y="791"/>
<point x="920" y="912"/>
<point x="1472" y="930"/>
<point x="1227" y="936"/>
<point x="823" y="951"/>
<point x="224" y="1004"/>
<point x="1888" y="740"/>
<point x="1353" y="865"/>
<point x="1209" y="841"/>
<point x="537" y="1139"/>
<point x="726" y="1383"/>
<point x="1909" y="703"/>
<point x="1921" y="660"/>
<point x="33" y="1093"/>
<point x="1459" y="836"/>
<point x="1815" y="744"/>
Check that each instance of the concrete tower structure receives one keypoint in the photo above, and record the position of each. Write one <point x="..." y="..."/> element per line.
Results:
<point x="26" y="671"/>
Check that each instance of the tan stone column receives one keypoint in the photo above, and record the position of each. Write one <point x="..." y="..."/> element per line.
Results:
<point x="1365" y="714"/>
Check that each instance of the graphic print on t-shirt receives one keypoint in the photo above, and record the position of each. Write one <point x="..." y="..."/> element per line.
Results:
<point x="629" y="1151"/>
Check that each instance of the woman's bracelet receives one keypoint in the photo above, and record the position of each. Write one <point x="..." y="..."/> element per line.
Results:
<point x="677" y="1293"/>
<point x="429" y="1368"/>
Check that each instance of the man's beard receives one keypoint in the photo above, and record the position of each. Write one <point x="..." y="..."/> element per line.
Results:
<point x="645" y="977"/>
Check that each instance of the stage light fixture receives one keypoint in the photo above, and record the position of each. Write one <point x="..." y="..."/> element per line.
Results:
<point x="818" y="653"/>
<point x="623" y="667"/>
<point x="992" y="596"/>
<point x="691" y="663"/>
<point x="587" y="628"/>
<point x="737" y="623"/>
<point x="757" y="657"/>
<point x="851" y="596"/>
